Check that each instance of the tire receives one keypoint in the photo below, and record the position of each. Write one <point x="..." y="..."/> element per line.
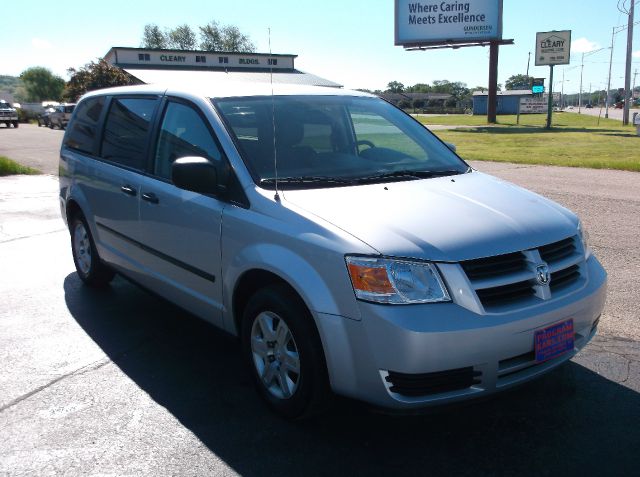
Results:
<point x="90" y="268"/>
<point x="278" y="333"/>
<point x="50" y="125"/>
<point x="16" y="124"/>
<point x="39" y="123"/>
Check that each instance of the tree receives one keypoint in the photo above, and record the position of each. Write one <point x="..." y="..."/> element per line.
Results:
<point x="94" y="76"/>
<point x="182" y="37"/>
<point x="211" y="37"/>
<point x="518" y="82"/>
<point x="458" y="91"/>
<point x="41" y="84"/>
<point x="418" y="104"/>
<point x="153" y="37"/>
<point x="418" y="88"/>
<point x="395" y="87"/>
<point x="234" y="40"/>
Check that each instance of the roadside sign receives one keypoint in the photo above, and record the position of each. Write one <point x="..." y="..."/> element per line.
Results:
<point x="553" y="48"/>
<point x="530" y="105"/>
<point x="537" y="86"/>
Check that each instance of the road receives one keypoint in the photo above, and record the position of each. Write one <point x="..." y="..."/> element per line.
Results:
<point x="613" y="113"/>
<point x="119" y="382"/>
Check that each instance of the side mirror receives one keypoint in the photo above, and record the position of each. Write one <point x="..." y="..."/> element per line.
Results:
<point x="196" y="174"/>
<point x="451" y="146"/>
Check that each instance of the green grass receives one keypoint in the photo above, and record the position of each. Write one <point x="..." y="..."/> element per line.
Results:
<point x="574" y="140"/>
<point x="9" y="167"/>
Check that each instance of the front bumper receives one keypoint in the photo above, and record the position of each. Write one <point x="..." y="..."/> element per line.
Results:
<point x="421" y="340"/>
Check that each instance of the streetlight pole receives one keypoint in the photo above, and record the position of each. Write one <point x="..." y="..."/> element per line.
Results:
<point x="627" y="75"/>
<point x="581" y="70"/>
<point x="562" y="92"/>
<point x="580" y="92"/>
<point x="606" y="112"/>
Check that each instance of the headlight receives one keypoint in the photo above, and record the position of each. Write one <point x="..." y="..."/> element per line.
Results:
<point x="584" y="238"/>
<point x="384" y="280"/>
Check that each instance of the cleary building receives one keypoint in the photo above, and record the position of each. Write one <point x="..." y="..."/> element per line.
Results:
<point x="169" y="66"/>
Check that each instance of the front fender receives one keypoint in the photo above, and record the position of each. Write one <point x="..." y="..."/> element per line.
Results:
<point x="332" y="297"/>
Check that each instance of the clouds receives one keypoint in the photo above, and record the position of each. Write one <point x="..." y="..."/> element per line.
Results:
<point x="40" y="44"/>
<point x="582" y="45"/>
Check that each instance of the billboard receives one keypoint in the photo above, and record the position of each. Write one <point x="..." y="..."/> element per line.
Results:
<point x="433" y="22"/>
<point x="553" y="48"/>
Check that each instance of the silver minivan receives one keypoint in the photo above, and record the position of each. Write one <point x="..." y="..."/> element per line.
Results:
<point x="349" y="249"/>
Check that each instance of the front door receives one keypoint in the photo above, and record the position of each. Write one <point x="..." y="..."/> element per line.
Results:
<point x="180" y="230"/>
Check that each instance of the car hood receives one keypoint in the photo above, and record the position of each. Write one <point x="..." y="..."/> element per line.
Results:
<point x="449" y="218"/>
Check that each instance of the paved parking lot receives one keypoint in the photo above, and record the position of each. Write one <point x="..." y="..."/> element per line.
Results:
<point x="118" y="382"/>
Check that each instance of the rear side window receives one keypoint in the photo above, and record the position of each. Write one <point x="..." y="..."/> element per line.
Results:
<point x="82" y="131"/>
<point x="126" y="131"/>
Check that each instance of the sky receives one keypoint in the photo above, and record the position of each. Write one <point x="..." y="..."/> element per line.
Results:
<point x="348" y="41"/>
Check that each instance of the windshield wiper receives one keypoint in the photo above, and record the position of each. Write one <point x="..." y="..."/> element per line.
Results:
<point x="409" y="174"/>
<point x="304" y="180"/>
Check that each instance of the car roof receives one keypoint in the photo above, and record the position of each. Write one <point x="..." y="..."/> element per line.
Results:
<point x="228" y="89"/>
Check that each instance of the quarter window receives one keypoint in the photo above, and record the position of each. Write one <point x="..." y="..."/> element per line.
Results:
<point x="82" y="131"/>
<point x="183" y="133"/>
<point x="126" y="131"/>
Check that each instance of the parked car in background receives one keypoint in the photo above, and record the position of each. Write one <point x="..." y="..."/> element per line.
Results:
<point x="61" y="115"/>
<point x="8" y="114"/>
<point x="44" y="117"/>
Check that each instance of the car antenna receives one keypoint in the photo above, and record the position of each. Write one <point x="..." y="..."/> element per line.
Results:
<point x="276" y="197"/>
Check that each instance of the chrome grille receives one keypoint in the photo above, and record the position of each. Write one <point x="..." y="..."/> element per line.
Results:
<point x="505" y="293"/>
<point x="505" y="280"/>
<point x="565" y="277"/>
<point x="493" y="266"/>
<point x="558" y="250"/>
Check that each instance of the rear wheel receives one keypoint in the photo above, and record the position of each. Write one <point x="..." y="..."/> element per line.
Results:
<point x="283" y="349"/>
<point x="90" y="268"/>
<point x="16" y="124"/>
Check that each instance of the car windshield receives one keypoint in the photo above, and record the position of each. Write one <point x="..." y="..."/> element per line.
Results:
<point x="332" y="141"/>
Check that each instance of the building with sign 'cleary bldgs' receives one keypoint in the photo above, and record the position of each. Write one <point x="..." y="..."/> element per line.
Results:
<point x="169" y="67"/>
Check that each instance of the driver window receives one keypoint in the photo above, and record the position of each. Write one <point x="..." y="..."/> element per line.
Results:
<point x="183" y="133"/>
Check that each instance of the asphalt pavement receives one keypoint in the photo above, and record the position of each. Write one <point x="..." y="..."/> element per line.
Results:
<point x="119" y="382"/>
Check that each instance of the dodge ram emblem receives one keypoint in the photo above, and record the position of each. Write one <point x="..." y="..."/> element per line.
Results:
<point x="542" y="274"/>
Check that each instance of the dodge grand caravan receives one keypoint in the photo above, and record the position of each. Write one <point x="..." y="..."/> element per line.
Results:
<point x="348" y="248"/>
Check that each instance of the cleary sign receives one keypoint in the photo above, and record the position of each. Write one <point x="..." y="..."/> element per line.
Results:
<point x="440" y="22"/>
<point x="553" y="48"/>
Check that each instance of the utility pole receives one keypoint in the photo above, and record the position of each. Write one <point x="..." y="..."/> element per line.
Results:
<point x="528" y="61"/>
<point x="562" y="94"/>
<point x="627" y="75"/>
<point x="580" y="92"/>
<point x="606" y="111"/>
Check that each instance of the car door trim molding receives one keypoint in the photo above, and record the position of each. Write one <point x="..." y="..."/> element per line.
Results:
<point x="163" y="256"/>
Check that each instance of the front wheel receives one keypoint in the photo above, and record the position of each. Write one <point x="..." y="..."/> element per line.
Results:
<point x="90" y="268"/>
<point x="281" y="344"/>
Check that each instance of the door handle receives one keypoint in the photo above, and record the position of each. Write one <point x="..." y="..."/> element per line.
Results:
<point x="150" y="197"/>
<point x="127" y="189"/>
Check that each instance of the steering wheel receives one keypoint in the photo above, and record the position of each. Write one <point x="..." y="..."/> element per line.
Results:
<point x="364" y="142"/>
